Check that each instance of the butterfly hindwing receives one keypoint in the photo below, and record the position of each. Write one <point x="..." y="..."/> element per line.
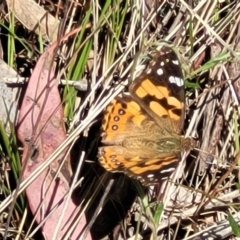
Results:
<point x="148" y="171"/>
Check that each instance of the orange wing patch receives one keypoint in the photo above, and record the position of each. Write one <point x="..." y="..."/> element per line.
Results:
<point x="120" y="117"/>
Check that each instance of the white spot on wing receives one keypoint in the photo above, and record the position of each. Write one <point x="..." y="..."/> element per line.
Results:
<point x="164" y="178"/>
<point x="150" y="175"/>
<point x="160" y="71"/>
<point x="167" y="170"/>
<point x="176" y="62"/>
<point x="176" y="80"/>
<point x="179" y="81"/>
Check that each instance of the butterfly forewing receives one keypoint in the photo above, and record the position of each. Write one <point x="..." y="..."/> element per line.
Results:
<point x="160" y="90"/>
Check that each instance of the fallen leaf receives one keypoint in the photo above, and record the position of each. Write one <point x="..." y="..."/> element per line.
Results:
<point x="41" y="131"/>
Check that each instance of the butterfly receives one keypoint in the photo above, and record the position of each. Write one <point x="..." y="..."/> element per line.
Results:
<point x="141" y="133"/>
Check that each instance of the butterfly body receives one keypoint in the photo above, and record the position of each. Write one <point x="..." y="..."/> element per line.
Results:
<point x="142" y="132"/>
